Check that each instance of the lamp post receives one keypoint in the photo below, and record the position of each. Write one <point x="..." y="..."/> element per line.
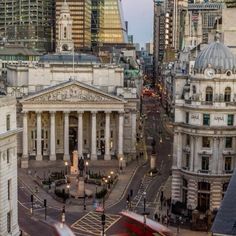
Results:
<point x="144" y="212"/>
<point x="109" y="181"/>
<point x="84" y="201"/>
<point x="68" y="190"/>
<point x="120" y="164"/>
<point x="66" y="167"/>
<point x="86" y="168"/>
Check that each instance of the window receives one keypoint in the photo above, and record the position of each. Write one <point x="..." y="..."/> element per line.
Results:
<point x="209" y="94"/>
<point x="228" y="142"/>
<point x="9" y="189"/>
<point x="230" y="120"/>
<point x="187" y="160"/>
<point x="8" y="119"/>
<point x="194" y="89"/>
<point x="187" y="117"/>
<point x="224" y="188"/>
<point x="65" y="32"/>
<point x="227" y="94"/>
<point x="9" y="222"/>
<point x="206" y="142"/>
<point x="187" y="139"/>
<point x="8" y="156"/>
<point x="228" y="161"/>
<point x="203" y="196"/>
<point x="185" y="191"/>
<point x="205" y="163"/>
<point x="206" y="119"/>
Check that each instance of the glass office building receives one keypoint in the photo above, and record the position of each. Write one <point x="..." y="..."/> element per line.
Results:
<point x="30" y="23"/>
<point x="114" y="25"/>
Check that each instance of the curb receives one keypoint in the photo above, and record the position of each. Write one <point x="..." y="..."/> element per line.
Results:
<point x="124" y="191"/>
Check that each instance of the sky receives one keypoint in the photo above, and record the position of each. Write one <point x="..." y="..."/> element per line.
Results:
<point x="139" y="14"/>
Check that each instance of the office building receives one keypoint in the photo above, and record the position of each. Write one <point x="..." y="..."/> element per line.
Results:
<point x="30" y="23"/>
<point x="97" y="22"/>
<point x="114" y="25"/>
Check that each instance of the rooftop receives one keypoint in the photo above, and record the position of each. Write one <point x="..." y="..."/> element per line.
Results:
<point x="69" y="58"/>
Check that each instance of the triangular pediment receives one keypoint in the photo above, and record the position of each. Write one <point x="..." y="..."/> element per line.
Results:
<point x="71" y="92"/>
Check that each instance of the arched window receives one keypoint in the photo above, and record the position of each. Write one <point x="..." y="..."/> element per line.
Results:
<point x="65" y="31"/>
<point x="209" y="94"/>
<point x="227" y="94"/>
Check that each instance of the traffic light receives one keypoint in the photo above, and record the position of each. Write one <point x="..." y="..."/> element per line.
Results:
<point x="45" y="202"/>
<point x="32" y="198"/>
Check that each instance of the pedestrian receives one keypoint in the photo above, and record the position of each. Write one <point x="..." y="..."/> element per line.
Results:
<point x="155" y="216"/>
<point x="137" y="158"/>
<point x="159" y="218"/>
<point x="165" y="220"/>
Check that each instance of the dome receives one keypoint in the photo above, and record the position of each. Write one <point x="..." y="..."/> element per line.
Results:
<point x="217" y="56"/>
<point x="66" y="58"/>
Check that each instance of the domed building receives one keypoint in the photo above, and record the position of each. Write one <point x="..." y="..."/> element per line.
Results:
<point x="204" y="148"/>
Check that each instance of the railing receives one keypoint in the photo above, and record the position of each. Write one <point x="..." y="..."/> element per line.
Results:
<point x="228" y="171"/>
<point x="204" y="171"/>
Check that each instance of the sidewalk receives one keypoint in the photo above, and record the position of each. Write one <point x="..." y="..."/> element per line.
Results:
<point x="162" y="211"/>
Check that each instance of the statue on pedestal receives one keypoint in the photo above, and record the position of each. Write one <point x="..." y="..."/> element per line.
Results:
<point x="81" y="167"/>
<point x="81" y="185"/>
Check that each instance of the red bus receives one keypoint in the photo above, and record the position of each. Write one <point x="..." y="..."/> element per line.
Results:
<point x="134" y="225"/>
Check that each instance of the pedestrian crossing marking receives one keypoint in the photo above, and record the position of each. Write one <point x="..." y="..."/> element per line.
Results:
<point x="91" y="223"/>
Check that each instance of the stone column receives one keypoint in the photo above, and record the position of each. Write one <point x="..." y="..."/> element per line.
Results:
<point x="192" y="153"/>
<point x="121" y="135"/>
<point x="25" y="157"/>
<point x="107" y="137"/>
<point x="180" y="151"/>
<point x="220" y="155"/>
<point x="213" y="161"/>
<point x="175" y="150"/>
<point x="52" y="137"/>
<point x="133" y="131"/>
<point x="80" y="133"/>
<point x="39" y="156"/>
<point x="94" y="137"/>
<point x="66" y="137"/>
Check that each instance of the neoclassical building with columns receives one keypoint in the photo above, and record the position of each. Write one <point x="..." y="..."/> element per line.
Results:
<point x="76" y="116"/>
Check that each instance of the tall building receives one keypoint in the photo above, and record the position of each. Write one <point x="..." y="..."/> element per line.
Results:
<point x="199" y="21"/>
<point x="180" y="10"/>
<point x="97" y="22"/>
<point x="114" y="25"/>
<point x="30" y="23"/>
<point x="8" y="168"/>
<point x="205" y="135"/>
<point x="80" y="12"/>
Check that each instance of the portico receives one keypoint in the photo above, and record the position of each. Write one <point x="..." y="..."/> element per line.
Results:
<point x="72" y="116"/>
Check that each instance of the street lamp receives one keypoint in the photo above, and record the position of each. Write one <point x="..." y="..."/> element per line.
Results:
<point x="86" y="167"/>
<point x="68" y="190"/>
<point x="66" y="166"/>
<point x="121" y="166"/>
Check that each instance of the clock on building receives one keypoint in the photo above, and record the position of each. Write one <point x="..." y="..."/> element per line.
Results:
<point x="209" y="73"/>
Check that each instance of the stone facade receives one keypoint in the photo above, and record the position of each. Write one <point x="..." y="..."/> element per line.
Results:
<point x="8" y="168"/>
<point x="75" y="116"/>
<point x="205" y="130"/>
